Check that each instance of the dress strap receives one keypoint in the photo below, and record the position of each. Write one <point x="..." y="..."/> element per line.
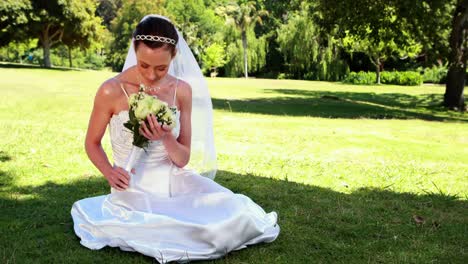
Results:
<point x="175" y="91"/>
<point x="122" y="87"/>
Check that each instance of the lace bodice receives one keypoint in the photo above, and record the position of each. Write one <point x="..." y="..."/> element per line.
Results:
<point x="121" y="138"/>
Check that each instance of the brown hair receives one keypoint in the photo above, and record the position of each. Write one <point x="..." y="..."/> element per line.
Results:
<point x="156" y="26"/>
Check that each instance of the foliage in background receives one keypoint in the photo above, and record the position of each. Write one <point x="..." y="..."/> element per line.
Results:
<point x="235" y="66"/>
<point x="407" y="78"/>
<point x="123" y="25"/>
<point x="371" y="27"/>
<point x="70" y="22"/>
<point x="107" y="10"/>
<point x="19" y="52"/>
<point x="298" y="39"/>
<point x="436" y="74"/>
<point x="13" y="16"/>
<point x="308" y="54"/>
<point x="430" y="24"/>
<point x="213" y="58"/>
<point x="244" y="16"/>
<point x="198" y="23"/>
<point x="82" y="58"/>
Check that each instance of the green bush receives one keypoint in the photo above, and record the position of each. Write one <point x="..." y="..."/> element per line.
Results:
<point x="408" y="78"/>
<point x="80" y="59"/>
<point x="282" y="76"/>
<point x="360" y="78"/>
<point x="435" y="74"/>
<point x="268" y="75"/>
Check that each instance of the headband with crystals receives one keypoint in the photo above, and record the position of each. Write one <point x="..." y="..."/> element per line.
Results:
<point x="156" y="38"/>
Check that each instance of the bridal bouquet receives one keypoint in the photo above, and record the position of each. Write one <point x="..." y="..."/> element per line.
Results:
<point x="141" y="105"/>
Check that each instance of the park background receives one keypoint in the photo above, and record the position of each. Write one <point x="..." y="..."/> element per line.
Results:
<point x="345" y="117"/>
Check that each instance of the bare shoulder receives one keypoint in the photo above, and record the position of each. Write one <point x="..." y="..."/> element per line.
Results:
<point x="109" y="89"/>
<point x="107" y="95"/>
<point x="184" y="89"/>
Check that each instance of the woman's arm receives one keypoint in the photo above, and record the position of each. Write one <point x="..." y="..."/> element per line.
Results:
<point x="100" y="116"/>
<point x="179" y="149"/>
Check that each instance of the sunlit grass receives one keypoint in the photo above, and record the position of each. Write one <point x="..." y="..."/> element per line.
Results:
<point x="346" y="168"/>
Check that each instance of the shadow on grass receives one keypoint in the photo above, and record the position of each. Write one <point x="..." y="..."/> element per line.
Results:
<point x="344" y="105"/>
<point x="10" y="65"/>
<point x="5" y="178"/>
<point x="4" y="156"/>
<point x="367" y="225"/>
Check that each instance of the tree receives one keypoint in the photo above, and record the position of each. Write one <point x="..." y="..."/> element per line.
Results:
<point x="13" y="16"/>
<point x="84" y="37"/>
<point x="243" y="16"/>
<point x="197" y="22"/>
<point x="123" y="25"/>
<point x="214" y="57"/>
<point x="107" y="10"/>
<point x="50" y="20"/>
<point x="308" y="54"/>
<point x="456" y="76"/>
<point x="372" y="27"/>
<point x="278" y="11"/>
<point x="429" y="23"/>
<point x="381" y="48"/>
<point x="442" y="27"/>
<point x="256" y="57"/>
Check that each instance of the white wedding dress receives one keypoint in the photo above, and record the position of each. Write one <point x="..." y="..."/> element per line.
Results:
<point x="169" y="213"/>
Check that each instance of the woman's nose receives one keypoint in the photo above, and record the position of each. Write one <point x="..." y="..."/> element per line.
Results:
<point x="152" y="76"/>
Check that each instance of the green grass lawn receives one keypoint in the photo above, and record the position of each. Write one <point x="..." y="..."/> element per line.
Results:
<point x="346" y="168"/>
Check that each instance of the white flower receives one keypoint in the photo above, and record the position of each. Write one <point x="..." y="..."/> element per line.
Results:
<point x="168" y="119"/>
<point x="144" y="107"/>
<point x="168" y="116"/>
<point x="132" y="99"/>
<point x="157" y="106"/>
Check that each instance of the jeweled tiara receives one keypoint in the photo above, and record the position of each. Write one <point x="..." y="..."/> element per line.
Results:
<point x="156" y="38"/>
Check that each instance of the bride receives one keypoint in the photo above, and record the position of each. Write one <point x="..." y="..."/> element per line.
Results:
<point x="158" y="206"/>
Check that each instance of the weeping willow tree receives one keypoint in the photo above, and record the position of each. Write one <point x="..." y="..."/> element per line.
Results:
<point x="307" y="53"/>
<point x="256" y="57"/>
<point x="243" y="15"/>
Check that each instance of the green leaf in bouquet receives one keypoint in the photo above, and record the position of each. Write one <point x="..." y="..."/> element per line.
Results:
<point x="173" y="109"/>
<point x="129" y="125"/>
<point x="131" y="116"/>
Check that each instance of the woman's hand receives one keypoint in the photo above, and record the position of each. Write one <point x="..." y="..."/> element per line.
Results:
<point x="155" y="131"/>
<point x="118" y="178"/>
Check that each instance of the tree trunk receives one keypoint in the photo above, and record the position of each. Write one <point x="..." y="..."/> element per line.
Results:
<point x="378" y="65"/>
<point x="70" y="63"/>
<point x="453" y="97"/>
<point x="377" y="73"/>
<point x="48" y="40"/>
<point x="46" y="52"/>
<point x="456" y="76"/>
<point x="45" y="41"/>
<point x="244" y="45"/>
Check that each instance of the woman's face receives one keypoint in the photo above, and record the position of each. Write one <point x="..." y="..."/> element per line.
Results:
<point x="153" y="64"/>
